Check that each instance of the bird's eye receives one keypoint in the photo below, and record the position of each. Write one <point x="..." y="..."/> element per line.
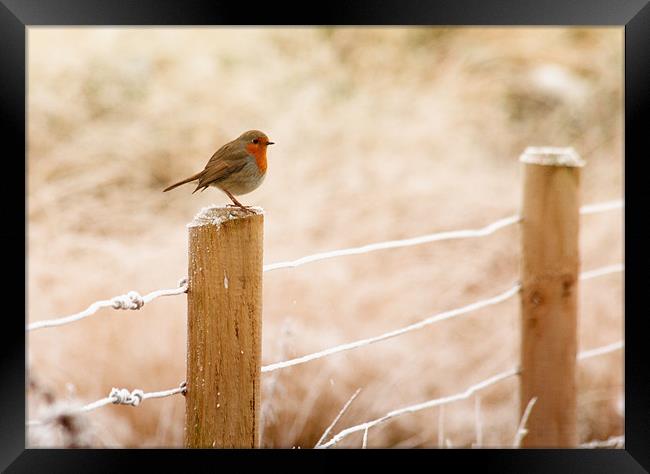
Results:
<point x="256" y="141"/>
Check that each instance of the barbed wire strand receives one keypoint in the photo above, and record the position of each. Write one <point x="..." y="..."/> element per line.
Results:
<point x="453" y="398"/>
<point x="131" y="300"/>
<point x="117" y="396"/>
<point x="425" y="322"/>
<point x="397" y="332"/>
<point x="447" y="235"/>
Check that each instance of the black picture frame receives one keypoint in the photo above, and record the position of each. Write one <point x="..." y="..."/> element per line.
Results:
<point x="633" y="15"/>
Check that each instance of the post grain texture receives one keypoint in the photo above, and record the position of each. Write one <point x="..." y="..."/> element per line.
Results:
<point x="224" y="329"/>
<point x="549" y="277"/>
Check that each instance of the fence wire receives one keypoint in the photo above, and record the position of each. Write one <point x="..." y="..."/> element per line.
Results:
<point x="397" y="332"/>
<point x="588" y="354"/>
<point x="619" y="267"/>
<point x="453" y="398"/>
<point x="392" y="244"/>
<point x="131" y="300"/>
<point x="421" y="406"/>
<point x="448" y="235"/>
<point x="602" y="207"/>
<point x="509" y="293"/>
<point x="117" y="396"/>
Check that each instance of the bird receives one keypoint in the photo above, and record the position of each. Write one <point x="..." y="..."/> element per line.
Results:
<point x="237" y="168"/>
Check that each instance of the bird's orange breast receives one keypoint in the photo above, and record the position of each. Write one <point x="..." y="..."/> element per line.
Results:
<point x="259" y="152"/>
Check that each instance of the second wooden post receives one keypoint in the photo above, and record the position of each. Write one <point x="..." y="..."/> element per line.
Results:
<point x="224" y="328"/>
<point x="549" y="278"/>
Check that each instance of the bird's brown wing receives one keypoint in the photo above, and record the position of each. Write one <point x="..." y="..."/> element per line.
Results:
<point x="231" y="151"/>
<point x="225" y="161"/>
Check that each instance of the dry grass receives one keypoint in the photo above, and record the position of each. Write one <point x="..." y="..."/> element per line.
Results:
<point x="381" y="133"/>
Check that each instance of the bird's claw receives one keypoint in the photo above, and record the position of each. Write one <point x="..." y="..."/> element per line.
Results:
<point x="248" y="209"/>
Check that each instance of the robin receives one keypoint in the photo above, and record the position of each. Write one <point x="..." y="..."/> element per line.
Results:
<point x="236" y="168"/>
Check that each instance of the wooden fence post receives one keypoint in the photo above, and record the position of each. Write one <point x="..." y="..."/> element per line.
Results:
<point x="224" y="329"/>
<point x="549" y="278"/>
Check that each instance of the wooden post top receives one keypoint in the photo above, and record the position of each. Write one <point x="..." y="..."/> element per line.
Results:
<point x="552" y="156"/>
<point x="217" y="215"/>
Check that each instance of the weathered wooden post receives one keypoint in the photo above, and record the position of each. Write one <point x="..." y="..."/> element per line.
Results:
<point x="549" y="277"/>
<point x="224" y="329"/>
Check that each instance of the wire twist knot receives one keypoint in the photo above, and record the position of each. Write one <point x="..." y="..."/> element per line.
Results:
<point x="121" y="396"/>
<point x="132" y="300"/>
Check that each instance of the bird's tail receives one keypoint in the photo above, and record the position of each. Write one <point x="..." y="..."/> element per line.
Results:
<point x="186" y="180"/>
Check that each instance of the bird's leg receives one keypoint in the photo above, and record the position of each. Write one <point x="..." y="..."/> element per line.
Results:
<point x="237" y="203"/>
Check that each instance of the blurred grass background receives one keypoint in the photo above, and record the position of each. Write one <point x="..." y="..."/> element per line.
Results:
<point x="382" y="133"/>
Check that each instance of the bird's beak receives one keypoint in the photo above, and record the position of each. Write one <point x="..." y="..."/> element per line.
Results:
<point x="270" y="143"/>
